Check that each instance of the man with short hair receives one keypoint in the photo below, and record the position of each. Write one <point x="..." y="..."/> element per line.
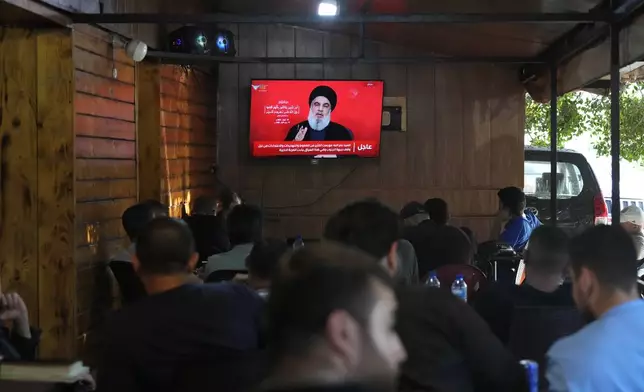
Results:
<point x="318" y="126"/>
<point x="514" y="223"/>
<point x="134" y="220"/>
<point x="449" y="245"/>
<point x="545" y="263"/>
<point x="157" y="208"/>
<point x="450" y="348"/>
<point x="438" y="211"/>
<point x="263" y="264"/>
<point x="331" y="319"/>
<point x="149" y="341"/>
<point x="607" y="354"/>
<point x="244" y="228"/>
<point x="204" y="205"/>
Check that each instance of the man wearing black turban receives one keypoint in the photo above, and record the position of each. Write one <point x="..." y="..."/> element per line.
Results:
<point x="318" y="126"/>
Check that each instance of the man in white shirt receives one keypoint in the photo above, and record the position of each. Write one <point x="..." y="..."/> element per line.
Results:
<point x="134" y="219"/>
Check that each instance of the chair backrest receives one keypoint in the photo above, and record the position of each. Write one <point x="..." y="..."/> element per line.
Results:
<point x="474" y="277"/>
<point x="223" y="275"/>
<point x="534" y="329"/>
<point x="129" y="283"/>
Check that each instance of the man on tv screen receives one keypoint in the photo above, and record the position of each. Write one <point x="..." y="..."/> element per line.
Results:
<point x="319" y="127"/>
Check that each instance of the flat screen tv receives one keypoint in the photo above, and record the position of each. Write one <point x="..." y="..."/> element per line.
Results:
<point x="315" y="118"/>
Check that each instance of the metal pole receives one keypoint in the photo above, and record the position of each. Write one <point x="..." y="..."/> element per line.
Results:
<point x="553" y="144"/>
<point x="433" y="18"/>
<point x="614" y="118"/>
<point x="361" y="43"/>
<point x="206" y="58"/>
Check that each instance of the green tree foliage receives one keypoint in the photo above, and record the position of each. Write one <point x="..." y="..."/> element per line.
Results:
<point x="582" y="112"/>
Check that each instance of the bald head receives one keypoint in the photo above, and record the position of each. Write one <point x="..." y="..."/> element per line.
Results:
<point x="165" y="247"/>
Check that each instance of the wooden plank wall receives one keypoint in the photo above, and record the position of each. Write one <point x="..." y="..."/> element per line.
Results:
<point x="116" y="156"/>
<point x="106" y="176"/>
<point x="188" y="135"/>
<point x="19" y="167"/>
<point x="36" y="181"/>
<point x="464" y="138"/>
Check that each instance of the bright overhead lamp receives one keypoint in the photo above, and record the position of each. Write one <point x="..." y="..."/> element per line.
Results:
<point x="328" y="8"/>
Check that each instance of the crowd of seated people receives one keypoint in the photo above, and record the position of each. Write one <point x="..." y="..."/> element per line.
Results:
<point x="352" y="313"/>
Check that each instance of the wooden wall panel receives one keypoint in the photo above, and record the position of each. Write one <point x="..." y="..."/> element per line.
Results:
<point x="464" y="138"/>
<point x="148" y="126"/>
<point x="19" y="167"/>
<point x="56" y="272"/>
<point x="37" y="182"/>
<point x="105" y="175"/>
<point x="188" y="141"/>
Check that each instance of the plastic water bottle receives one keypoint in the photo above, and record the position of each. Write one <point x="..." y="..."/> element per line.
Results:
<point x="459" y="288"/>
<point x="298" y="243"/>
<point x="433" y="281"/>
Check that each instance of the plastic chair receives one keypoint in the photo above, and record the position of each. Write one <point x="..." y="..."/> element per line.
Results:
<point x="474" y="277"/>
<point x="129" y="283"/>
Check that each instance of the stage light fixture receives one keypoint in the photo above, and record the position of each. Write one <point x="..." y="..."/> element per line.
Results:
<point x="328" y="8"/>
<point x="194" y="40"/>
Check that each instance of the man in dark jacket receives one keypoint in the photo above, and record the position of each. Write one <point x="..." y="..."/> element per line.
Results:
<point x="449" y="347"/>
<point x="19" y="342"/>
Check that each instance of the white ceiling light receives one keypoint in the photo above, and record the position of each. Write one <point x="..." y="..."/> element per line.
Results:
<point x="328" y="8"/>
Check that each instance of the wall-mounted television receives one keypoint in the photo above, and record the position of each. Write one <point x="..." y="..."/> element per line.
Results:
<point x="315" y="118"/>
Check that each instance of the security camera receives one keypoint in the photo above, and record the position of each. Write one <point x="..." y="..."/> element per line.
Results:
<point x="136" y="50"/>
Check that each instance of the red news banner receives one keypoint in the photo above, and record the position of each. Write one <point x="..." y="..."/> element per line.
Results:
<point x="356" y="148"/>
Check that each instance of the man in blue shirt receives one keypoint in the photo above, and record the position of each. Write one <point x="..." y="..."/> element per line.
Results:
<point x="608" y="354"/>
<point x="515" y="223"/>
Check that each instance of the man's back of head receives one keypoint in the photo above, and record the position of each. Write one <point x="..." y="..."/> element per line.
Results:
<point x="438" y="210"/>
<point x="226" y="199"/>
<point x="603" y="258"/>
<point x="548" y="252"/>
<point x="367" y="225"/>
<point x="331" y="312"/>
<point x="204" y="205"/>
<point x="136" y="217"/>
<point x="165" y="247"/>
<point x="157" y="208"/>
<point x="263" y="261"/>
<point x="448" y="245"/>
<point x="244" y="224"/>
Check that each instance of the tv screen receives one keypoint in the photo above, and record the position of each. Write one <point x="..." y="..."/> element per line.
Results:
<point x="316" y="119"/>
